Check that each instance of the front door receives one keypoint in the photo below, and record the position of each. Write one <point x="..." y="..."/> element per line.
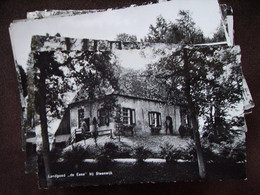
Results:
<point x="169" y="126"/>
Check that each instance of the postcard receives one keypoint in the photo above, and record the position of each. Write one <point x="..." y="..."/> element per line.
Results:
<point x="177" y="111"/>
<point x="134" y="52"/>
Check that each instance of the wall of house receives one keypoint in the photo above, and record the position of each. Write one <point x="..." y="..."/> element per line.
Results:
<point x="90" y="111"/>
<point x="143" y="107"/>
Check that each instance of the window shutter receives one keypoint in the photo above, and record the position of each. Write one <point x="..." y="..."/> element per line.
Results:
<point x="150" y="118"/>
<point x="129" y="117"/>
<point x="133" y="116"/>
<point x="159" y="119"/>
<point x="155" y="115"/>
<point x="98" y="116"/>
<point x="107" y="118"/>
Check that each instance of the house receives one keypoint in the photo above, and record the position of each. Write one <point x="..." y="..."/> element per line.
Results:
<point x="139" y="116"/>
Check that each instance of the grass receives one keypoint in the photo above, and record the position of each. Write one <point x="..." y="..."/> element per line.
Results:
<point x="153" y="143"/>
<point x="140" y="171"/>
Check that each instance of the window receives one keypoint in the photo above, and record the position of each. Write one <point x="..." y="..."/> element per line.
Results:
<point x="128" y="116"/>
<point x="103" y="117"/>
<point x="154" y="119"/>
<point x="80" y="116"/>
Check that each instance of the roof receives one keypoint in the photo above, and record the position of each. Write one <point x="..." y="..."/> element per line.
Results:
<point x="118" y="95"/>
<point x="61" y="138"/>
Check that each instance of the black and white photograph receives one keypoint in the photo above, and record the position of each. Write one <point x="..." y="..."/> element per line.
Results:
<point x="118" y="112"/>
<point x="129" y="97"/>
<point x="155" y="23"/>
<point x="158" y="96"/>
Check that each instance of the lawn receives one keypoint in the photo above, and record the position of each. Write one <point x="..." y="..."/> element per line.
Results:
<point x="103" y="171"/>
<point x="153" y="142"/>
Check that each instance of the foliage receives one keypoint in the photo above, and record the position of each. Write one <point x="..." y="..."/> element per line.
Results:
<point x="110" y="149"/>
<point x="191" y="33"/>
<point x="219" y="35"/>
<point x="183" y="31"/>
<point x="141" y="84"/>
<point x="142" y="153"/>
<point x="185" y="131"/>
<point x="168" y="153"/>
<point x="31" y="112"/>
<point x="224" y="152"/>
<point x="118" y="120"/>
<point x="190" y="152"/>
<point x="76" y="155"/>
<point x="73" y="70"/>
<point x="231" y="153"/>
<point x="55" y="155"/>
<point x="108" y="152"/>
<point x="171" y="155"/>
<point x="23" y="80"/>
<point x="95" y="73"/>
<point x="124" y="152"/>
<point x="59" y="72"/>
<point x="155" y="130"/>
<point x="203" y="78"/>
<point x="126" y="37"/>
<point x="158" y="33"/>
<point x="210" y="79"/>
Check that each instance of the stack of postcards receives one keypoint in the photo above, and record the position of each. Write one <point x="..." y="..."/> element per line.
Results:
<point x="151" y="93"/>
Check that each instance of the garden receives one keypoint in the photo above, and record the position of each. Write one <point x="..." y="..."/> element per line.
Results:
<point x="161" y="158"/>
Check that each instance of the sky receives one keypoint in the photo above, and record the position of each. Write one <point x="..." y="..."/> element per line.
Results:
<point x="138" y="59"/>
<point x="106" y="25"/>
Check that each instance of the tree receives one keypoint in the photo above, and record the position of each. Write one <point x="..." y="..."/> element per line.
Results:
<point x="57" y="72"/>
<point x="219" y="35"/>
<point x="158" y="33"/>
<point x="179" y="73"/>
<point x="188" y="29"/>
<point x="126" y="37"/>
<point x="31" y="113"/>
<point x="184" y="71"/>
<point x="197" y="77"/>
<point x="224" y="96"/>
<point x="183" y="31"/>
<point x="24" y="80"/>
<point x="174" y="34"/>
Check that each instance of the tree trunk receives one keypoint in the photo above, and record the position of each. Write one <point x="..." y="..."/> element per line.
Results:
<point x="191" y="106"/>
<point x="217" y="122"/>
<point x="201" y="163"/>
<point x="44" y="124"/>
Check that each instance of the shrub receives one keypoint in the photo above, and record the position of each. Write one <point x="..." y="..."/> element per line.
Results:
<point x="209" y="155"/>
<point x="124" y="153"/>
<point x="189" y="153"/>
<point x="166" y="152"/>
<point x="239" y="152"/>
<point x="182" y="130"/>
<point x="233" y="154"/>
<point x="55" y="154"/>
<point x="185" y="131"/>
<point x="171" y="154"/>
<point x="110" y="149"/>
<point x="223" y="152"/>
<point x="141" y="153"/>
<point x="76" y="155"/>
<point x="155" y="130"/>
<point x="108" y="152"/>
